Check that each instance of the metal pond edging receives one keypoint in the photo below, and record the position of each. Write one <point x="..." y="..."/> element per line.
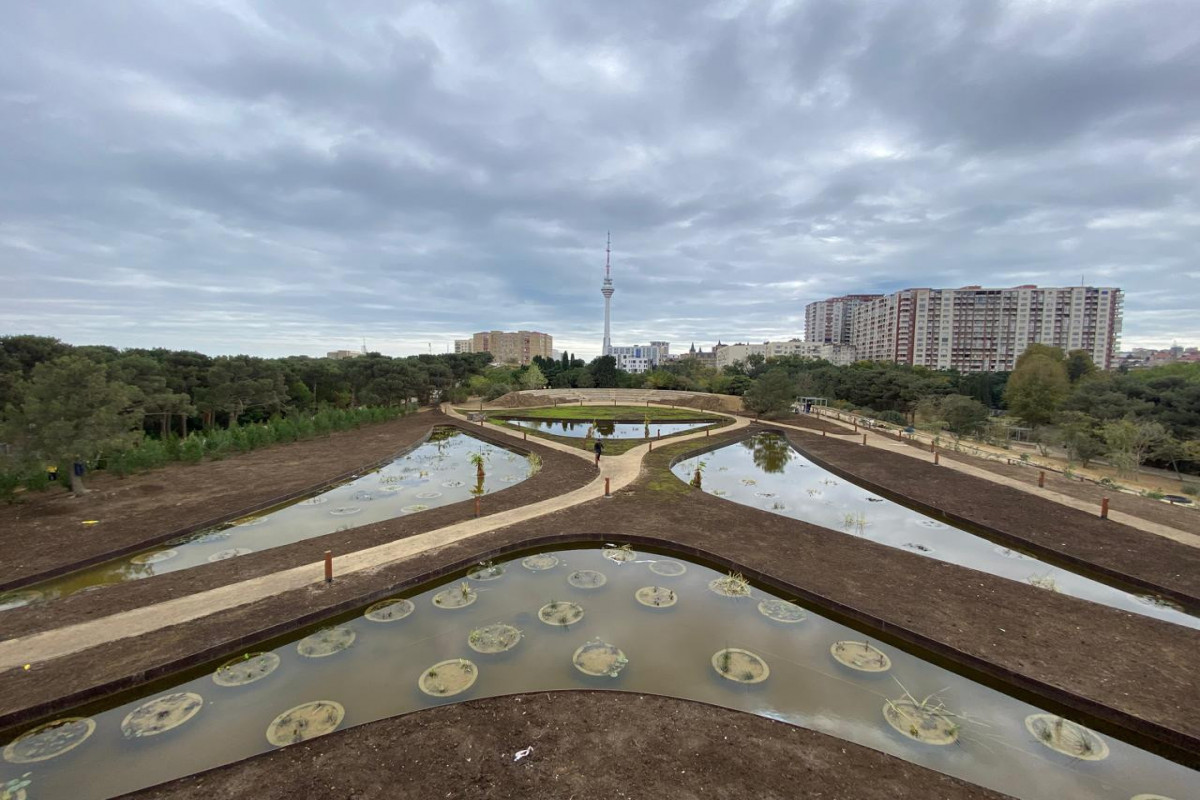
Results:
<point x="1178" y="746"/>
<point x="279" y="500"/>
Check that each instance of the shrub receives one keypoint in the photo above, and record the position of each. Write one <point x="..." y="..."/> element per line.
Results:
<point x="894" y="417"/>
<point x="191" y="450"/>
<point x="1191" y="489"/>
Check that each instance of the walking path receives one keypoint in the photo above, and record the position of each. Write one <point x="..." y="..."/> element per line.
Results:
<point x="620" y="470"/>
<point x="947" y="460"/>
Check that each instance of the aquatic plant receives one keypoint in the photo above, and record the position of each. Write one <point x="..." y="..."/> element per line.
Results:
<point x="535" y="464"/>
<point x="1043" y="582"/>
<point x="731" y="585"/>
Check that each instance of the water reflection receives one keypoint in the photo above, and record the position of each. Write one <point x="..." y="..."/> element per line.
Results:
<point x="607" y="429"/>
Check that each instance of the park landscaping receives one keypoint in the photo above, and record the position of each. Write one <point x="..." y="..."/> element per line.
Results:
<point x="814" y="564"/>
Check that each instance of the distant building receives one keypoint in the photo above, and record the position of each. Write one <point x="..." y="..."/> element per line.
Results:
<point x="707" y="358"/>
<point x="973" y="329"/>
<point x="516" y="347"/>
<point x="340" y="354"/>
<point x="730" y="354"/>
<point x="641" y="357"/>
<point x="829" y="320"/>
<point x="1141" y="357"/>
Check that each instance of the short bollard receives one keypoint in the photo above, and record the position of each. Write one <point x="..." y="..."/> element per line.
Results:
<point x="931" y="446"/>
<point x="1104" y="508"/>
<point x="651" y="443"/>
<point x="822" y="432"/>
<point x="329" y="566"/>
<point x="606" y="492"/>
<point x="707" y="432"/>
<point x="477" y="506"/>
<point x="864" y="440"/>
<point x="936" y="458"/>
<point x="856" y="427"/>
<point x="660" y="433"/>
<point x="525" y="436"/>
<point x="1042" y="479"/>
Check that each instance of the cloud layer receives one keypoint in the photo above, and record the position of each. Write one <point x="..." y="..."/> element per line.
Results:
<point x="293" y="176"/>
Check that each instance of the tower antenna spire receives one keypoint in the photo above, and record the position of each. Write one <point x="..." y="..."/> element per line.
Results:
<point x="608" y="255"/>
<point x="606" y="289"/>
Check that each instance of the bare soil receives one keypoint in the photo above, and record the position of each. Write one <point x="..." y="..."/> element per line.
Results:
<point x="585" y="744"/>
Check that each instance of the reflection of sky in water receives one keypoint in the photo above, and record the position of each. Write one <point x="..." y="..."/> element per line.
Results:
<point x="435" y="473"/>
<point x="670" y="652"/>
<point x="606" y="429"/>
<point x="766" y="473"/>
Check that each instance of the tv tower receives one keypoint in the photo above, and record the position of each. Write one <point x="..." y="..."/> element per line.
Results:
<point x="607" y="290"/>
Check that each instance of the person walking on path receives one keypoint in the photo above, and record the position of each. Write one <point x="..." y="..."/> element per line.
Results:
<point x="599" y="448"/>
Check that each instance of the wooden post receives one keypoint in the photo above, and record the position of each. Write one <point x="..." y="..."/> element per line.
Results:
<point x="525" y="436"/>
<point x="856" y="427"/>
<point x="931" y="446"/>
<point x="1042" y="479"/>
<point x="477" y="505"/>
<point x="651" y="443"/>
<point x="822" y="432"/>
<point x="936" y="457"/>
<point x="864" y="440"/>
<point x="707" y="432"/>
<point x="1104" y="508"/>
<point x="329" y="566"/>
<point x="606" y="492"/>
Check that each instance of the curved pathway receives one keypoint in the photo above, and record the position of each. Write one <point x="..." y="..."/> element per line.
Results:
<point x="620" y="470"/>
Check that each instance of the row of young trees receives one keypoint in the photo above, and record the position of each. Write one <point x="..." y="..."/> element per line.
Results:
<point x="135" y="408"/>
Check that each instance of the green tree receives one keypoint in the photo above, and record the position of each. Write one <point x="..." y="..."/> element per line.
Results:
<point x="533" y="378"/>
<point x="604" y="372"/>
<point x="1130" y="442"/>
<point x="1038" y="385"/>
<point x="773" y="393"/>
<point x="69" y="410"/>
<point x="1079" y="434"/>
<point x="963" y="415"/>
<point x="1079" y="365"/>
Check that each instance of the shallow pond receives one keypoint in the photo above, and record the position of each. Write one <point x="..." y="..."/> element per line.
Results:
<point x="764" y="471"/>
<point x="435" y="473"/>
<point x="575" y="619"/>
<point x="607" y="429"/>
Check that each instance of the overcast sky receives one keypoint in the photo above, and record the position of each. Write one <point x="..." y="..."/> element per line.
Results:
<point x="292" y="176"/>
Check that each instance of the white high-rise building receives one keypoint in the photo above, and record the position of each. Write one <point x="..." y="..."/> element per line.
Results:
<point x="829" y="320"/>
<point x="641" y="357"/>
<point x="729" y="354"/>
<point x="973" y="329"/>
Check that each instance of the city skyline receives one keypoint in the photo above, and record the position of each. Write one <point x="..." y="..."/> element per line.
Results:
<point x="282" y="178"/>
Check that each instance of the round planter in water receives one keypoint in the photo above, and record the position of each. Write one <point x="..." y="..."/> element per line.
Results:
<point x="49" y="740"/>
<point x="781" y="611"/>
<point x="326" y="642"/>
<point x="245" y="669"/>
<point x="20" y="598"/>
<point x="860" y="656"/>
<point x="730" y="586"/>
<point x="344" y="511"/>
<point x="1066" y="737"/>
<point x="415" y="508"/>
<point x="668" y="569"/>
<point x="161" y="714"/>
<point x="921" y="724"/>
<point x="620" y="555"/>
<point x="486" y="572"/>
<point x="459" y="596"/>
<point x="305" y="721"/>
<point x="599" y="659"/>
<point x="362" y="496"/>
<point x="587" y="579"/>
<point x="494" y="638"/>
<point x="560" y="613"/>
<point x="232" y="552"/>
<point x="448" y="678"/>
<point x="540" y="562"/>
<point x="656" y="597"/>
<point x="314" y="501"/>
<point x="741" y="666"/>
<point x="154" y="557"/>
<point x="1150" y="797"/>
<point x="428" y="495"/>
<point x="393" y="609"/>
<point x="452" y="484"/>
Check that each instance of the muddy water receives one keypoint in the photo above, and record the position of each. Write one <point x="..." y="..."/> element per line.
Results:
<point x="764" y="471"/>
<point x="436" y="473"/>
<point x="668" y="650"/>
<point x="607" y="429"/>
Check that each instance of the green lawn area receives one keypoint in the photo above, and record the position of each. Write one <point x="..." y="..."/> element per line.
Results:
<point x="638" y="413"/>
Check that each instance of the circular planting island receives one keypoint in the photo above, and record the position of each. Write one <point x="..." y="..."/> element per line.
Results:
<point x="494" y="638"/>
<point x="587" y="579"/>
<point x="49" y="740"/>
<point x="246" y="669"/>
<point x="926" y="725"/>
<point x="393" y="609"/>
<point x="560" y="613"/>
<point x="232" y="552"/>
<point x="1066" y="737"/>
<point x="345" y="511"/>
<point x="668" y="569"/>
<point x="540" y="562"/>
<point x="599" y="659"/>
<point x="621" y="555"/>
<point x="730" y="586"/>
<point x="415" y="508"/>
<point x="741" y="666"/>
<point x="153" y="557"/>
<point x="161" y="714"/>
<point x="656" y="597"/>
<point x="460" y="596"/>
<point x="448" y="678"/>
<point x="305" y="721"/>
<point x="326" y="642"/>
<point x="860" y="656"/>
<point x="781" y="611"/>
<point x="486" y="572"/>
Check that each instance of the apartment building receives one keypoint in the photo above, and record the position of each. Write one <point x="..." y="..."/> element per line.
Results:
<point x="830" y="320"/>
<point x="976" y="329"/>
<point x="641" y="357"/>
<point x="730" y="354"/>
<point x="515" y="347"/>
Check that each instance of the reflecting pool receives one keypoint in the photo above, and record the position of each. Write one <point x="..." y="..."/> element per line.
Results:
<point x="596" y="618"/>
<point x="607" y="429"/>
<point x="765" y="472"/>
<point x="438" y="472"/>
